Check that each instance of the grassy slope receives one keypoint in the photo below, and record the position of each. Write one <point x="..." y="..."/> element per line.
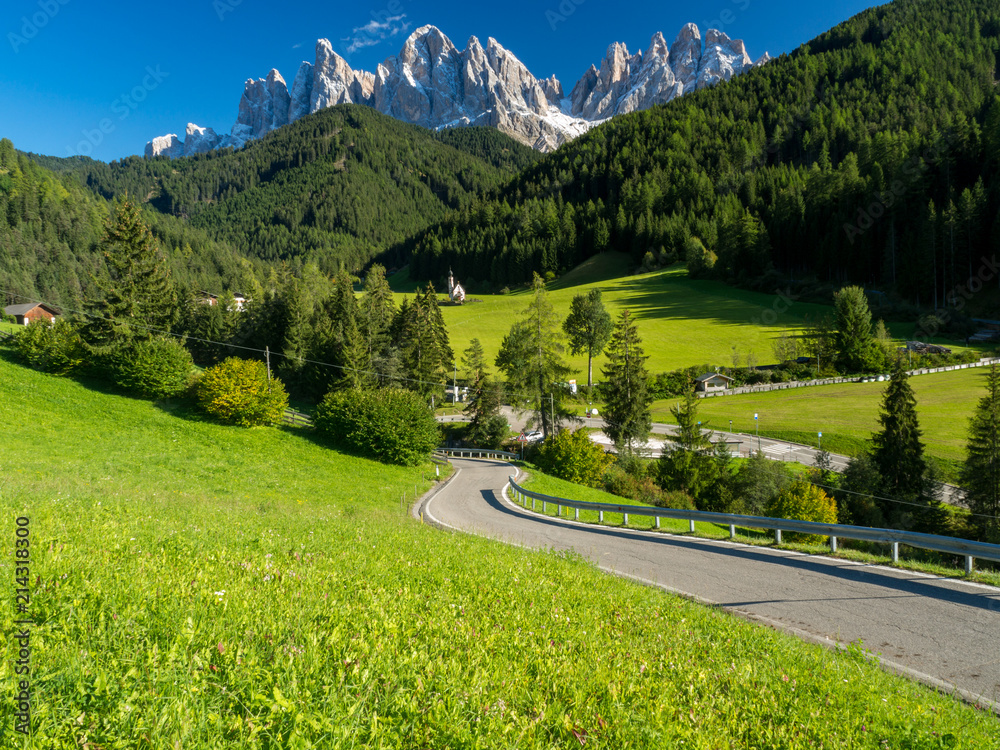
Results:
<point x="203" y="586"/>
<point x="682" y="322"/>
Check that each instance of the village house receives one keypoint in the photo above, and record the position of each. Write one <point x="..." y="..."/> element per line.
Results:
<point x="207" y="298"/>
<point x="30" y="312"/>
<point x="711" y="382"/>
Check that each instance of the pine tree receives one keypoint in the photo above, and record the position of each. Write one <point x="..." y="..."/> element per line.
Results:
<point x="474" y="364"/>
<point x="531" y="359"/>
<point x="898" y="452"/>
<point x="855" y="345"/>
<point x="588" y="326"/>
<point x="689" y="465"/>
<point x="339" y="340"/>
<point x="422" y="337"/>
<point x="377" y="310"/>
<point x="981" y="474"/>
<point x="627" y="417"/>
<point x="138" y="298"/>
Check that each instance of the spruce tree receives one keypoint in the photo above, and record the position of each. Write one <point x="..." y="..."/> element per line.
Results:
<point x="588" y="326"/>
<point x="531" y="359"/>
<point x="689" y="465"/>
<point x="898" y="452"/>
<point x="855" y="342"/>
<point x="138" y="298"/>
<point x="981" y="474"/>
<point x="422" y="337"/>
<point x="377" y="310"/>
<point x="627" y="417"/>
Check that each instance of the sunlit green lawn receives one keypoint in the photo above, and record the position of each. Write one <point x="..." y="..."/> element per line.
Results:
<point x="200" y="586"/>
<point x="847" y="414"/>
<point x="682" y="322"/>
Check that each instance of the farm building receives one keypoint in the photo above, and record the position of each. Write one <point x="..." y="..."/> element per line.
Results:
<point x="207" y="298"/>
<point x="712" y="381"/>
<point x="30" y="312"/>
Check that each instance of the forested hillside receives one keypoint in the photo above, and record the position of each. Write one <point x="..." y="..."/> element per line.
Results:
<point x="334" y="188"/>
<point x="50" y="226"/>
<point x="868" y="155"/>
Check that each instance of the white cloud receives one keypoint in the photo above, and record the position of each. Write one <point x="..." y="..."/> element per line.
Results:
<point x="374" y="32"/>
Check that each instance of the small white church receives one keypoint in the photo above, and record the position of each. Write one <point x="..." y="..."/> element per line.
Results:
<point x="456" y="293"/>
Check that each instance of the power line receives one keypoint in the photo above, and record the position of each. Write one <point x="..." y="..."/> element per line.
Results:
<point x="233" y="346"/>
<point x="886" y="499"/>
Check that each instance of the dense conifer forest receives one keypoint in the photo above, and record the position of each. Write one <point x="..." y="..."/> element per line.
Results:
<point x="50" y="227"/>
<point x="334" y="188"/>
<point x="869" y="155"/>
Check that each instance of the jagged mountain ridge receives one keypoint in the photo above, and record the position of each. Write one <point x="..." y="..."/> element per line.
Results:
<point x="434" y="84"/>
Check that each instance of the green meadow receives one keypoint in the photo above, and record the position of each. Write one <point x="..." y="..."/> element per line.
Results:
<point x="847" y="414"/>
<point x="195" y="585"/>
<point x="683" y="322"/>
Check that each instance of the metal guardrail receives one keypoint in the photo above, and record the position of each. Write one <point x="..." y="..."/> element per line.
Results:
<point x="477" y="453"/>
<point x="768" y="387"/>
<point x="949" y="545"/>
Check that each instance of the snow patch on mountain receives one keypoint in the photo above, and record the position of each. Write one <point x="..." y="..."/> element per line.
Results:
<point x="434" y="84"/>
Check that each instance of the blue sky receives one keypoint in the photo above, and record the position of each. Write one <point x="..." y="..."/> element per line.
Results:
<point x="75" y="78"/>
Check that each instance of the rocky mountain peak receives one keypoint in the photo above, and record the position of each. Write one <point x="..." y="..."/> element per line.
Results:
<point x="434" y="84"/>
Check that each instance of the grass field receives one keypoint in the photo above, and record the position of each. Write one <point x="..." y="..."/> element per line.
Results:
<point x="847" y="414"/>
<point x="682" y="322"/>
<point x="200" y="586"/>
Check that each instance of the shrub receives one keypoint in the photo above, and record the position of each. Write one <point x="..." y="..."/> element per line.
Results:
<point x="573" y="456"/>
<point x="618" y="480"/>
<point x="804" y="502"/>
<point x="238" y="391"/>
<point x="52" y="348"/>
<point x="388" y="424"/>
<point x="156" y="368"/>
<point x="676" y="499"/>
<point x="489" y="433"/>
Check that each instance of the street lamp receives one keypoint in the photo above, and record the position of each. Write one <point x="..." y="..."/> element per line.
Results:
<point x="821" y="442"/>
<point x="756" y="427"/>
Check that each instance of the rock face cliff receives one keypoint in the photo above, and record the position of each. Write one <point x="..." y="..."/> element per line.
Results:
<point x="434" y="84"/>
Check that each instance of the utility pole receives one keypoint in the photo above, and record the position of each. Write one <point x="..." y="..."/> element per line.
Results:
<point x="267" y="354"/>
<point x="552" y="403"/>
<point x="454" y="387"/>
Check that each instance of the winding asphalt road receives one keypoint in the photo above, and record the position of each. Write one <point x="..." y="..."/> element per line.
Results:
<point x="942" y="632"/>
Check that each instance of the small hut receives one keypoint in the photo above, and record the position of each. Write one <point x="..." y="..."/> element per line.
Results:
<point x="30" y="312"/>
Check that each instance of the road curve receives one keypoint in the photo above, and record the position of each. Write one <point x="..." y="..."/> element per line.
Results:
<point x="942" y="632"/>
